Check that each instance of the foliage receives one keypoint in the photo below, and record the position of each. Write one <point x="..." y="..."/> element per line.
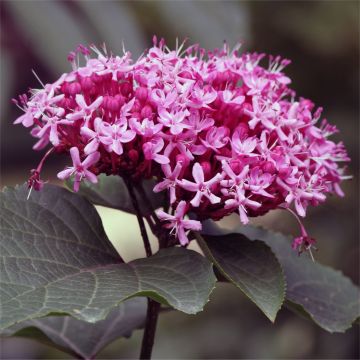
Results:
<point x="61" y="278"/>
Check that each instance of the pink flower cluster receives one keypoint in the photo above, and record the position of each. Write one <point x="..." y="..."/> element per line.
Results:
<point x="220" y="132"/>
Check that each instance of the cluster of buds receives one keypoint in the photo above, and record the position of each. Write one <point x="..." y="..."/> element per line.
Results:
<point x="219" y="131"/>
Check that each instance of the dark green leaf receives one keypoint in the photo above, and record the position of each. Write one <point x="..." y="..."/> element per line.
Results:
<point x="111" y="191"/>
<point x="325" y="294"/>
<point x="82" y="338"/>
<point x="249" y="265"/>
<point x="55" y="258"/>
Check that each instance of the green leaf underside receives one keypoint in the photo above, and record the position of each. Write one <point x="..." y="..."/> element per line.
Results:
<point x="56" y="258"/>
<point x="111" y="191"/>
<point x="251" y="266"/>
<point x="325" y="294"/>
<point x="82" y="338"/>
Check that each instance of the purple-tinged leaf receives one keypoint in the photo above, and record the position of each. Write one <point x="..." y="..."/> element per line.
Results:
<point x="56" y="258"/>
<point x="249" y="265"/>
<point x="81" y="338"/>
<point x="324" y="294"/>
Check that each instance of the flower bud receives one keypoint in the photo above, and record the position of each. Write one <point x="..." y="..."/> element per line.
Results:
<point x="133" y="155"/>
<point x="183" y="159"/>
<point x="269" y="167"/>
<point x="236" y="166"/>
<point x="141" y="93"/>
<point x="73" y="88"/>
<point x="146" y="112"/>
<point x="206" y="166"/>
<point x="86" y="83"/>
<point x="126" y="88"/>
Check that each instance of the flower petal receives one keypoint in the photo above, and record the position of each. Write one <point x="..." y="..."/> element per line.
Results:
<point x="198" y="173"/>
<point x="75" y="156"/>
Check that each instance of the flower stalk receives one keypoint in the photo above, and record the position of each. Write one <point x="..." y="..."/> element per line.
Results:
<point x="153" y="306"/>
<point x="139" y="216"/>
<point x="150" y="329"/>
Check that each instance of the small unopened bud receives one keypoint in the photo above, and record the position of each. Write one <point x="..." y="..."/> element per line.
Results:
<point x="86" y="83"/>
<point x="236" y="166"/>
<point x="133" y="155"/>
<point x="71" y="56"/>
<point x="206" y="166"/>
<point x="183" y="159"/>
<point x="83" y="50"/>
<point x="113" y="104"/>
<point x="284" y="172"/>
<point x="74" y="88"/>
<point x="269" y="167"/>
<point x="247" y="106"/>
<point x="120" y="99"/>
<point x="243" y="130"/>
<point x="126" y="88"/>
<point x="97" y="79"/>
<point x="141" y="93"/>
<point x="137" y="106"/>
<point x="146" y="112"/>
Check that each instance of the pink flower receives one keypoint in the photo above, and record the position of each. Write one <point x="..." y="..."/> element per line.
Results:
<point x="302" y="194"/>
<point x="93" y="136"/>
<point x="44" y="101"/>
<point x="241" y="202"/>
<point x="162" y="99"/>
<point x="178" y="224"/>
<point x="147" y="128"/>
<point x="92" y="66"/>
<point x="303" y="243"/>
<point x="170" y="180"/>
<point x="40" y="103"/>
<point x="27" y="119"/>
<point x="84" y="111"/>
<point x="80" y="169"/>
<point x="244" y="146"/>
<point x="255" y="84"/>
<point x="258" y="181"/>
<point x="51" y="127"/>
<point x="234" y="180"/>
<point x="200" y="186"/>
<point x="260" y="113"/>
<point x="113" y="136"/>
<point x="125" y="110"/>
<point x="187" y="115"/>
<point x="115" y="65"/>
<point x="181" y="143"/>
<point x="35" y="182"/>
<point x="151" y="151"/>
<point x="229" y="97"/>
<point x="201" y="97"/>
<point x="216" y="138"/>
<point x="174" y="120"/>
<point x="197" y="124"/>
<point x="43" y="138"/>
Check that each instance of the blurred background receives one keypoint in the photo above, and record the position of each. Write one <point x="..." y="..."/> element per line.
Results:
<point x="322" y="40"/>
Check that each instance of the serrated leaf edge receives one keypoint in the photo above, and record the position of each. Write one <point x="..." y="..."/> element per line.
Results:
<point x="325" y="266"/>
<point x="207" y="252"/>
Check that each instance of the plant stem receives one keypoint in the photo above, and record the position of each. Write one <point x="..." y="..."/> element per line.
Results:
<point x="156" y="228"/>
<point x="153" y="306"/>
<point x="148" y="204"/>
<point x="150" y="329"/>
<point x="139" y="217"/>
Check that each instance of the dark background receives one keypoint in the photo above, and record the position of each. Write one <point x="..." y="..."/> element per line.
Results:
<point x="322" y="40"/>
